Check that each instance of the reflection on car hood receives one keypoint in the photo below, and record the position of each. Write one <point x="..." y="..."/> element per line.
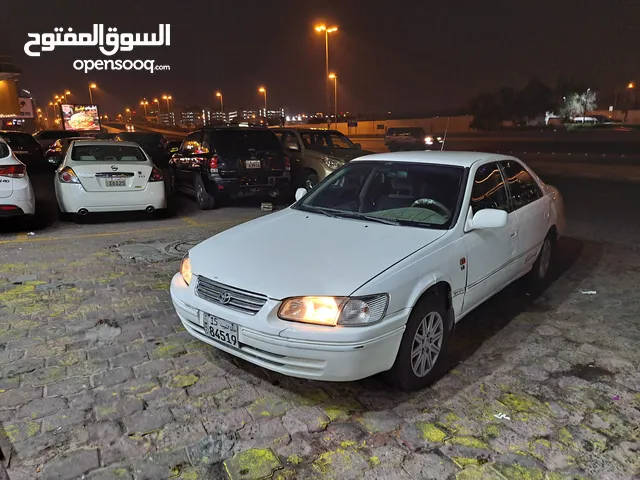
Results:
<point x="344" y="154"/>
<point x="293" y="253"/>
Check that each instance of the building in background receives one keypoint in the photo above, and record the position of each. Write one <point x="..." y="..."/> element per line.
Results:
<point x="194" y="116"/>
<point x="242" y="115"/>
<point x="10" y="111"/>
<point x="167" y="118"/>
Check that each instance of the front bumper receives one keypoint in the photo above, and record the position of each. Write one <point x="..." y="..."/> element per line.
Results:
<point x="263" y="340"/>
<point x="73" y="197"/>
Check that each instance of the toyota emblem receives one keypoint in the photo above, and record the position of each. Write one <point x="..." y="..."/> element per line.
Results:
<point x="114" y="168"/>
<point x="225" y="298"/>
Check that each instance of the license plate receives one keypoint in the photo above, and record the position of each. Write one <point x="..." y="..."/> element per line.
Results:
<point x="220" y="330"/>
<point x="253" y="164"/>
<point x="118" y="182"/>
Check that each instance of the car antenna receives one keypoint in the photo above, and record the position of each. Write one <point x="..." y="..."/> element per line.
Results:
<point x="445" y="135"/>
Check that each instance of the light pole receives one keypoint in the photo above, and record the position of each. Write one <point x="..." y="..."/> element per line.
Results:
<point x="266" y="115"/>
<point x="128" y="110"/>
<point x="586" y="100"/>
<point x="144" y="104"/>
<point x="53" y="112"/>
<point x="168" y="99"/>
<point x="334" y="77"/>
<point x="219" y="95"/>
<point x="156" y="101"/>
<point x="327" y="31"/>
<point x="91" y="87"/>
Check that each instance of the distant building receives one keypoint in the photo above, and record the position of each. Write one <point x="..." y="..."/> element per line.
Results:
<point x="9" y="95"/>
<point x="195" y="116"/>
<point x="167" y="119"/>
<point x="242" y="115"/>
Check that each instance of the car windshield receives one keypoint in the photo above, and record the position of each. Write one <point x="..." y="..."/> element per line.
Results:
<point x="243" y="140"/>
<point x="107" y="153"/>
<point x="407" y="194"/>
<point x="153" y="139"/>
<point x="20" y="141"/>
<point x="319" y="140"/>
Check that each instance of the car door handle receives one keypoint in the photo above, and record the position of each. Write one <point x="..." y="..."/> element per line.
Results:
<point x="513" y="233"/>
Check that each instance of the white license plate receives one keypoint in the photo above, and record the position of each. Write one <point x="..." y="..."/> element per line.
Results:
<point x="253" y="164"/>
<point x="220" y="330"/>
<point x="118" y="182"/>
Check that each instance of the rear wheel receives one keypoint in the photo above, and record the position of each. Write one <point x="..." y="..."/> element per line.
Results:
<point x="424" y="345"/>
<point x="205" y="200"/>
<point x="539" y="274"/>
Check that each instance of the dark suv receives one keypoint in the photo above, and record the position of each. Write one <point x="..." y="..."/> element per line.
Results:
<point x="225" y="162"/>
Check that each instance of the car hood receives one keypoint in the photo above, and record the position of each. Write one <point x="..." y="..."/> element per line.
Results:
<point x="294" y="253"/>
<point x="346" y="155"/>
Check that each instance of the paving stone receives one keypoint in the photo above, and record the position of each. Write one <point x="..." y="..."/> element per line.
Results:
<point x="130" y="359"/>
<point x="147" y="421"/>
<point x="65" y="419"/>
<point x="103" y="432"/>
<point x="112" y="377"/>
<point x="19" y="430"/>
<point x="386" y="473"/>
<point x="305" y="419"/>
<point x="429" y="465"/>
<point x="41" y="407"/>
<point x="225" y="421"/>
<point x="268" y="406"/>
<point x="341" y="463"/>
<point x="118" y="407"/>
<point x="254" y="464"/>
<point x="208" y="386"/>
<point x="17" y="397"/>
<point x="111" y="473"/>
<point x="380" y="421"/>
<point x="154" y="368"/>
<point x="168" y="464"/>
<point x="72" y="465"/>
<point x="211" y="449"/>
<point x="68" y="387"/>
<point x="175" y="435"/>
<point x="189" y="361"/>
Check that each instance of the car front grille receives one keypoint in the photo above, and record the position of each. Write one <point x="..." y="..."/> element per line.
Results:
<point x="229" y="297"/>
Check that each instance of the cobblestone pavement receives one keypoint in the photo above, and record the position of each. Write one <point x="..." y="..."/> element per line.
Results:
<point x="98" y="380"/>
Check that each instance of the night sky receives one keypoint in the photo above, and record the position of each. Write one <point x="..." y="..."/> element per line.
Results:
<point x="390" y="55"/>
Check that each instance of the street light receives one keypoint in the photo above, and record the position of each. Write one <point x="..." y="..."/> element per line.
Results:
<point x="334" y="77"/>
<point x="91" y="87"/>
<point x="327" y="31"/>
<point x="144" y="104"/>
<point x="264" y="92"/>
<point x="129" y="112"/>
<point x="219" y="95"/>
<point x="167" y="98"/>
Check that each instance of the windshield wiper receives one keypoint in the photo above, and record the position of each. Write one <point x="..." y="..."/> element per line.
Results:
<point x="318" y="210"/>
<point x="362" y="216"/>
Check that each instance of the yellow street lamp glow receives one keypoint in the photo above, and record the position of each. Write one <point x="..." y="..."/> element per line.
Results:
<point x="631" y="85"/>
<point x="262" y="90"/>
<point x="67" y="92"/>
<point x="332" y="76"/>
<point x="127" y="110"/>
<point x="166" y="97"/>
<point x="218" y="94"/>
<point x="93" y="85"/>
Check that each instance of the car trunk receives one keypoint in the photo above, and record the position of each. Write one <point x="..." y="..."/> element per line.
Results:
<point x="249" y="153"/>
<point x="109" y="177"/>
<point x="6" y="186"/>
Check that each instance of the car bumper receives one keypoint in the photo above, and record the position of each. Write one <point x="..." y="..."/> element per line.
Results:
<point x="21" y="202"/>
<point x="73" y="197"/>
<point x="297" y="357"/>
<point x="247" y="185"/>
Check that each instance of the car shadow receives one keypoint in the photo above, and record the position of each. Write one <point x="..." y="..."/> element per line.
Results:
<point x="575" y="259"/>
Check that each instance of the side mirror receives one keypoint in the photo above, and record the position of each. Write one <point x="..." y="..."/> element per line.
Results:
<point x="487" y="219"/>
<point x="301" y="192"/>
<point x="358" y="146"/>
<point x="293" y="146"/>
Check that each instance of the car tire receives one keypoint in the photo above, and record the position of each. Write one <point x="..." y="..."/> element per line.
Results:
<point x="311" y="180"/>
<point x="539" y="274"/>
<point x="431" y="318"/>
<point x="204" y="199"/>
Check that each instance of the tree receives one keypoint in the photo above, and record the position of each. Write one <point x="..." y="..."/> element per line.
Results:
<point x="578" y="104"/>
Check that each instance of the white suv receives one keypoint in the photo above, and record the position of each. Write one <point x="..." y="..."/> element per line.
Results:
<point x="16" y="192"/>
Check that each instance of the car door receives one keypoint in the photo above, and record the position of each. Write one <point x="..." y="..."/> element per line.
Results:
<point x="532" y="208"/>
<point x="184" y="160"/>
<point x="293" y="148"/>
<point x="490" y="252"/>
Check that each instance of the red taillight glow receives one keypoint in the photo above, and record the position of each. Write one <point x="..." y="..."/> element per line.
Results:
<point x="156" y="175"/>
<point x="213" y="164"/>
<point x="7" y="208"/>
<point x="67" y="175"/>
<point x="13" y="171"/>
<point x="287" y="163"/>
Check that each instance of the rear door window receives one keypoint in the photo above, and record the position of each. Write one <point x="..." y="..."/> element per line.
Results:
<point x="246" y="140"/>
<point x="524" y="189"/>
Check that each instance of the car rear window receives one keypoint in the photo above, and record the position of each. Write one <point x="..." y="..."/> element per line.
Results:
<point x="20" y="141"/>
<point x="107" y="153"/>
<point x="245" y="140"/>
<point x="4" y="150"/>
<point x="56" y="134"/>
<point x="143" y="138"/>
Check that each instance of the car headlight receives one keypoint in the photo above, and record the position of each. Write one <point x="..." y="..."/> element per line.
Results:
<point x="332" y="311"/>
<point x="332" y="163"/>
<point x="185" y="270"/>
<point x="428" y="140"/>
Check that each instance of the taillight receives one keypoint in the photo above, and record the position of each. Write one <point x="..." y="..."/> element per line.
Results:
<point x="213" y="164"/>
<point x="156" y="175"/>
<point x="13" y="171"/>
<point x="67" y="175"/>
<point x="287" y="163"/>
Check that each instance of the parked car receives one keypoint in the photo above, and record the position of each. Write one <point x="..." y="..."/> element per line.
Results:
<point x="108" y="176"/>
<point x="173" y="146"/>
<point x="25" y="147"/>
<point x="220" y="162"/>
<point x="154" y="144"/>
<point x="424" y="238"/>
<point x="46" y="138"/>
<point x="16" y="193"/>
<point x="411" y="138"/>
<point x="105" y="136"/>
<point x="316" y="153"/>
<point x="55" y="155"/>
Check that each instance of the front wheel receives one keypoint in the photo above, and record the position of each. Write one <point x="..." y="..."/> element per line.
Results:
<point x="205" y="200"/>
<point x="424" y="345"/>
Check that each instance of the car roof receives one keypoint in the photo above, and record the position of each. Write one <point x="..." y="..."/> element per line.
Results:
<point x="4" y="132"/>
<point x="232" y="127"/>
<point x="91" y="142"/>
<point x="307" y="129"/>
<point x="458" y="159"/>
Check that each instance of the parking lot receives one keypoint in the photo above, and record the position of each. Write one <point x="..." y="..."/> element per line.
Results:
<point x="97" y="375"/>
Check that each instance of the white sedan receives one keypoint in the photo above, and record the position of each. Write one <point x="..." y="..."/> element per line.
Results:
<point x="16" y="193"/>
<point x="370" y="271"/>
<point x="108" y="176"/>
